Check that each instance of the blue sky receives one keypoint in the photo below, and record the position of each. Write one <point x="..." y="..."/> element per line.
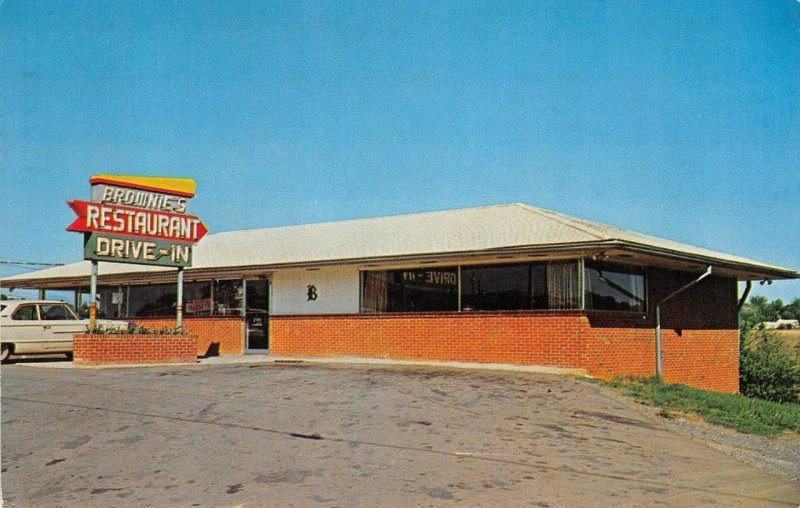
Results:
<point x="680" y="120"/>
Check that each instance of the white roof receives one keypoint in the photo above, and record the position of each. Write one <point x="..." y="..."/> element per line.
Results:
<point x="490" y="229"/>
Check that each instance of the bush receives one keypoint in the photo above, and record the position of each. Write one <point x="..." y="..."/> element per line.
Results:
<point x="134" y="329"/>
<point x="767" y="371"/>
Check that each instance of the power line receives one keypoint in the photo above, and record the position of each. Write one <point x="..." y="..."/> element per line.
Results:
<point x="28" y="263"/>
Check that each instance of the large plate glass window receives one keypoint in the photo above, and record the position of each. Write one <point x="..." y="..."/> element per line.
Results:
<point x="413" y="290"/>
<point x="160" y="300"/>
<point x="615" y="287"/>
<point x="495" y="287"/>
<point x="197" y="299"/>
<point x="228" y="297"/>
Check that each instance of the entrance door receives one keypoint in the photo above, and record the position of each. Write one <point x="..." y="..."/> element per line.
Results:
<point x="257" y="314"/>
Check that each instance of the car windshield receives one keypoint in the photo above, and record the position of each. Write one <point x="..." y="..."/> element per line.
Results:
<point x="56" y="312"/>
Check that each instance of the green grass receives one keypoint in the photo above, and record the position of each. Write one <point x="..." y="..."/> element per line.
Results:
<point x="752" y="416"/>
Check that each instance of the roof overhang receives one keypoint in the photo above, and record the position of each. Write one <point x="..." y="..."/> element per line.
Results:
<point x="617" y="251"/>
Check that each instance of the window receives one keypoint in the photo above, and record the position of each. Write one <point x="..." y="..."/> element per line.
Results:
<point x="25" y="313"/>
<point x="56" y="312"/>
<point x="416" y="290"/>
<point x="228" y="297"/>
<point x="160" y="300"/>
<point x="112" y="302"/>
<point x="197" y="299"/>
<point x="495" y="287"/>
<point x="613" y="287"/>
<point x="152" y="300"/>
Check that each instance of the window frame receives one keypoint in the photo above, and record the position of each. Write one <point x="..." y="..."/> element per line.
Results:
<point x="620" y="268"/>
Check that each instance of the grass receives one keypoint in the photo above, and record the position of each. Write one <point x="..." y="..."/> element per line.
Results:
<point x="751" y="416"/>
<point x="791" y="338"/>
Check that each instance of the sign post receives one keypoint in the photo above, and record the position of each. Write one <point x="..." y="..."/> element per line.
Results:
<point x="139" y="220"/>
<point x="93" y="296"/>
<point x="180" y="297"/>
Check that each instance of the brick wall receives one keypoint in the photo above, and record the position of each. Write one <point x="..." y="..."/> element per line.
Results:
<point x="215" y="335"/>
<point x="548" y="338"/>
<point x="705" y="358"/>
<point x="133" y="349"/>
<point x="700" y="336"/>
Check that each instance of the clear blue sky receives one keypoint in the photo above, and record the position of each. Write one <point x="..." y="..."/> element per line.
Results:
<point x="678" y="119"/>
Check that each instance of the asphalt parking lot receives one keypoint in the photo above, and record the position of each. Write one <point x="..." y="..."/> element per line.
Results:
<point x="316" y="435"/>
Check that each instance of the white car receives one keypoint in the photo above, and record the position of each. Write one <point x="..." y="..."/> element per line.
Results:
<point x="41" y="327"/>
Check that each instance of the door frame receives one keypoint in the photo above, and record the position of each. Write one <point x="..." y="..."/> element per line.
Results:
<point x="246" y="349"/>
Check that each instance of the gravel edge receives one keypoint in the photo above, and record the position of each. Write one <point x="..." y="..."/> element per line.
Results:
<point x="779" y="455"/>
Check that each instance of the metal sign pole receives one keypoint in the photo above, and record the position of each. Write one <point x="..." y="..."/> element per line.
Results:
<point x="93" y="296"/>
<point x="180" y="298"/>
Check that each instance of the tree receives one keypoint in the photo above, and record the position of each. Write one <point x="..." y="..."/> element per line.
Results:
<point x="792" y="310"/>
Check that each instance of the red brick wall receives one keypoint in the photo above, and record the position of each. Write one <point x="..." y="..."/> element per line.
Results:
<point x="625" y="345"/>
<point x="700" y="336"/>
<point x="620" y="350"/>
<point x="546" y="338"/>
<point x="132" y="349"/>
<point x="704" y="358"/>
<point x="215" y="335"/>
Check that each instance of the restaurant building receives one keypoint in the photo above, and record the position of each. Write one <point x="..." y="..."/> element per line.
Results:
<point x="510" y="284"/>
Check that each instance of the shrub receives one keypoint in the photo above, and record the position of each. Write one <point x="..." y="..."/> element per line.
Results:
<point x="134" y="329"/>
<point x="767" y="371"/>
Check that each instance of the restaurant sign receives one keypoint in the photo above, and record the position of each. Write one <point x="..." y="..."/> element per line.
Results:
<point x="138" y="219"/>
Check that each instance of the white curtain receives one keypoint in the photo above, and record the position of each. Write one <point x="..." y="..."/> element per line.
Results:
<point x="562" y="286"/>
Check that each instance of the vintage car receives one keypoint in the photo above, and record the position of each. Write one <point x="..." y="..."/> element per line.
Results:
<point x="41" y="327"/>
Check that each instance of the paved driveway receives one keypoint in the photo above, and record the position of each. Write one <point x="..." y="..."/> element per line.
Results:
<point x="296" y="435"/>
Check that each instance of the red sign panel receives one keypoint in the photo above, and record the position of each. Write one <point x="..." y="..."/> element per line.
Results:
<point x="124" y="220"/>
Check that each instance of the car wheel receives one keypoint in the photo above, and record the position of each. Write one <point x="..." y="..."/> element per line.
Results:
<point x="5" y="352"/>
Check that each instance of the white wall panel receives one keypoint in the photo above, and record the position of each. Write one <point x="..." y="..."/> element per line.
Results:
<point x="337" y="291"/>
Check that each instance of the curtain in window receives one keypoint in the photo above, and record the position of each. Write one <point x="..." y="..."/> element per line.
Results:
<point x="562" y="286"/>
<point x="376" y="291"/>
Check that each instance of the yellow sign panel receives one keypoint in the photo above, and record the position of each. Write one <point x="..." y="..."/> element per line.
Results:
<point x="176" y="186"/>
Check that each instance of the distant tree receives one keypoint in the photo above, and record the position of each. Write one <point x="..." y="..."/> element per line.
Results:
<point x="792" y="310"/>
<point x="774" y="310"/>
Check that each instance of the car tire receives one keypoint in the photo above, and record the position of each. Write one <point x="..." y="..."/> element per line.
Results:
<point x="5" y="352"/>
